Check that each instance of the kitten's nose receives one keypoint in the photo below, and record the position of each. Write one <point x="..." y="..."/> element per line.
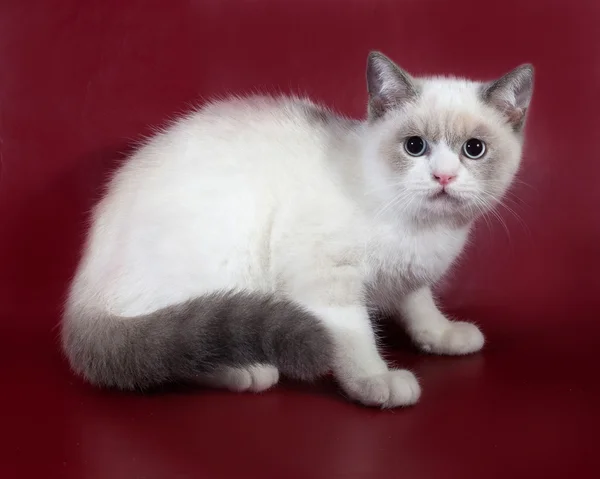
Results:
<point x="443" y="179"/>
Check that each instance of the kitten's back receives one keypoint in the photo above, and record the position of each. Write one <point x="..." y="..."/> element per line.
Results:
<point x="202" y="191"/>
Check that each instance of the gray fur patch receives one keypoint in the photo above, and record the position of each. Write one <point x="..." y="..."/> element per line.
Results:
<point x="318" y="115"/>
<point x="177" y="343"/>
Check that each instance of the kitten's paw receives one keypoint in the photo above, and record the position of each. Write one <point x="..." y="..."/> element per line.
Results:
<point x="394" y="388"/>
<point x="256" y="378"/>
<point x="457" y="339"/>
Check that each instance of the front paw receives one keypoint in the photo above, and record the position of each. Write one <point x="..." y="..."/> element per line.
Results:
<point x="457" y="338"/>
<point x="394" y="388"/>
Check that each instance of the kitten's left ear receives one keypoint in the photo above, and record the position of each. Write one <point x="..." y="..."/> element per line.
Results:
<point x="511" y="94"/>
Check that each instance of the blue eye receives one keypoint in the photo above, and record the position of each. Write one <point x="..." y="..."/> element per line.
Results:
<point x="415" y="146"/>
<point x="474" y="148"/>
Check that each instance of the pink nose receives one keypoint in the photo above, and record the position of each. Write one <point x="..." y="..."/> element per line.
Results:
<point x="443" y="179"/>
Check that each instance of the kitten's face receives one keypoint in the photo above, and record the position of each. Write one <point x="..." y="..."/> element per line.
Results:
<point x="445" y="148"/>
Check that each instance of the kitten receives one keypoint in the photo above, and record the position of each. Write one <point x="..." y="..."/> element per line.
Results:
<point x="253" y="237"/>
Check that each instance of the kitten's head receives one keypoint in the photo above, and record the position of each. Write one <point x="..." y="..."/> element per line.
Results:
<point x="443" y="148"/>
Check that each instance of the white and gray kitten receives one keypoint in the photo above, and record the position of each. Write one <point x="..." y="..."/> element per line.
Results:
<point x="254" y="236"/>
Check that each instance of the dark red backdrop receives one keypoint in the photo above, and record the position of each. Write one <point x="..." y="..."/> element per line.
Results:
<point x="81" y="81"/>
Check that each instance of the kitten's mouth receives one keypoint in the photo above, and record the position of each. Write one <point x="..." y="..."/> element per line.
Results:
<point x="443" y="195"/>
<point x="445" y="199"/>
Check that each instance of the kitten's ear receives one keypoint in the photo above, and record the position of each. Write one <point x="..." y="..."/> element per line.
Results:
<point x="389" y="86"/>
<point x="511" y="94"/>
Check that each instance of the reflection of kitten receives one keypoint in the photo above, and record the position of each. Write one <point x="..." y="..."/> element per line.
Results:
<point x="253" y="236"/>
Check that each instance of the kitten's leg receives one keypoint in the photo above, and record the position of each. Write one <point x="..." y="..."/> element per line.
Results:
<point x="336" y="298"/>
<point x="360" y="370"/>
<point x="432" y="331"/>
<point x="255" y="378"/>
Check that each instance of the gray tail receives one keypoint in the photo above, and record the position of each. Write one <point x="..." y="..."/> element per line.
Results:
<point x="180" y="342"/>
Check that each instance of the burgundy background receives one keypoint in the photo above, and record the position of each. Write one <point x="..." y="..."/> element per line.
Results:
<point x="80" y="82"/>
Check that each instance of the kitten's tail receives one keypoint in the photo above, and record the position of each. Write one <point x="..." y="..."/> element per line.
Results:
<point x="177" y="343"/>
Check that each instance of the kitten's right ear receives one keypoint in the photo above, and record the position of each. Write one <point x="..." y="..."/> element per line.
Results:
<point x="389" y="86"/>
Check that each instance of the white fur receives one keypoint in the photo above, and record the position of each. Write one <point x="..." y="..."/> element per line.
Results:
<point x="251" y="194"/>
<point x="256" y="378"/>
